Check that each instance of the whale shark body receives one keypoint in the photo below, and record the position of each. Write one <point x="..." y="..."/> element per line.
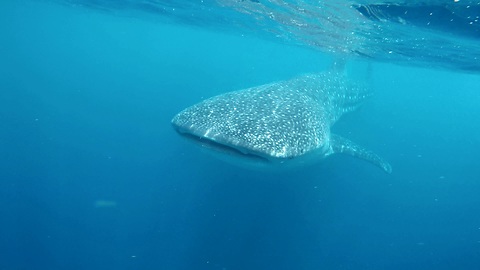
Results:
<point x="281" y="124"/>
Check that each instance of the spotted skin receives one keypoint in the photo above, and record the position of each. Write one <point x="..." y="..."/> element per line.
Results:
<point x="278" y="122"/>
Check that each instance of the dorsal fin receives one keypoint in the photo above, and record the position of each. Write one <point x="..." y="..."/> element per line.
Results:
<point x="345" y="146"/>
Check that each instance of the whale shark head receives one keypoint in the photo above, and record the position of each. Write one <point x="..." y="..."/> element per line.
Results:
<point x="263" y="125"/>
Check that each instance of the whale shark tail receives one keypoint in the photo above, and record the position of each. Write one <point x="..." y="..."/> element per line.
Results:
<point x="357" y="84"/>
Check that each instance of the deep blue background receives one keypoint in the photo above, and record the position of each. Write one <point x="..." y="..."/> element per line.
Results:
<point x="86" y="100"/>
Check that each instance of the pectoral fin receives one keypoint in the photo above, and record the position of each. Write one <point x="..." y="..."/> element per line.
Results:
<point x="345" y="146"/>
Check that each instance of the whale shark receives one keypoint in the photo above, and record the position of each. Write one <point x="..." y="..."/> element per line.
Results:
<point x="282" y="124"/>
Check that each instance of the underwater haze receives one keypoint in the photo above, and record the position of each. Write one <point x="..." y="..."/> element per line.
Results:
<point x="93" y="176"/>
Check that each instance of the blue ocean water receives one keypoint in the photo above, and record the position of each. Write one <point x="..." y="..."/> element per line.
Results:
<point x="92" y="175"/>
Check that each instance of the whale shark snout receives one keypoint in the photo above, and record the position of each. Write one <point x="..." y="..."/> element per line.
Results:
<point x="226" y="150"/>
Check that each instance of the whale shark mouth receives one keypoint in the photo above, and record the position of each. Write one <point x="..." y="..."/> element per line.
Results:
<point x="230" y="150"/>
